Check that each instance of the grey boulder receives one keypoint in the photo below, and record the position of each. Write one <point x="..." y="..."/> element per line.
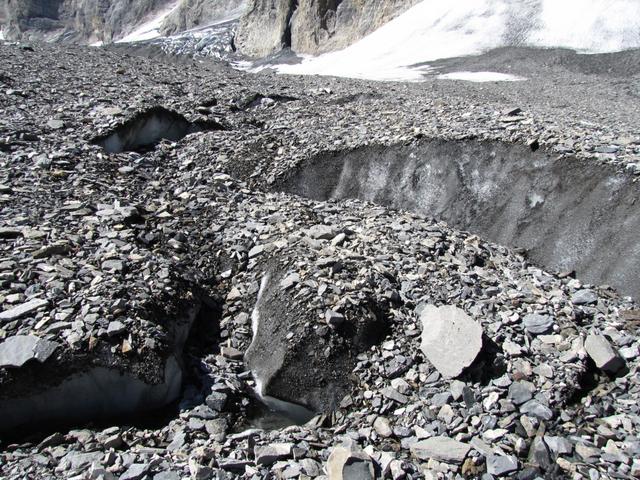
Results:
<point x="603" y="354"/>
<point x="349" y="462"/>
<point x="18" y="350"/>
<point x="451" y="340"/>
<point x="537" y="324"/>
<point x="442" y="449"/>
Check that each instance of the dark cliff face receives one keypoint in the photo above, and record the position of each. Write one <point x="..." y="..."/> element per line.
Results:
<point x="312" y="26"/>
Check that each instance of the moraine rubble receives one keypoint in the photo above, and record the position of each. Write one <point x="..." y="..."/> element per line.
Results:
<point x="185" y="265"/>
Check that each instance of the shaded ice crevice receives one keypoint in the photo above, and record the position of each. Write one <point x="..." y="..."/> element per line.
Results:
<point x="568" y="214"/>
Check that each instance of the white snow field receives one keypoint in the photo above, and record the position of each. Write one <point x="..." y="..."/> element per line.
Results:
<point x="481" y="77"/>
<point x="436" y="29"/>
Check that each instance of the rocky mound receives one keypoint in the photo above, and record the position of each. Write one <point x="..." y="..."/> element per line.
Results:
<point x="418" y="350"/>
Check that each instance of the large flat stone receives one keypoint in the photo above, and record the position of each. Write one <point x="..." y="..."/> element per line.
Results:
<point x="442" y="449"/>
<point x="451" y="340"/>
<point x="22" y="310"/>
<point x="18" y="350"/>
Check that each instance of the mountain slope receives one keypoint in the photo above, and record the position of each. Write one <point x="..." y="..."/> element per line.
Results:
<point x="91" y="21"/>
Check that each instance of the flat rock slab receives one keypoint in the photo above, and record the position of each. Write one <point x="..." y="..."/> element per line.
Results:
<point x="603" y="354"/>
<point x="18" y="350"/>
<point x="451" y="340"/>
<point x="22" y="310"/>
<point x="268" y="454"/>
<point x="442" y="449"/>
<point x="538" y="324"/>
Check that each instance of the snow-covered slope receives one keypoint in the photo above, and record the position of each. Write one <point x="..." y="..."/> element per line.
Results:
<point x="436" y="29"/>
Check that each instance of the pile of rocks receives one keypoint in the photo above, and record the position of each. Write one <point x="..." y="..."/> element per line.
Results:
<point x="421" y="351"/>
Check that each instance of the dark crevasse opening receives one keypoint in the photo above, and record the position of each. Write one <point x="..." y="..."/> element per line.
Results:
<point x="148" y="128"/>
<point x="98" y="389"/>
<point x="567" y="214"/>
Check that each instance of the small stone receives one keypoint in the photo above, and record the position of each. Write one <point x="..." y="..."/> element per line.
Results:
<point x="456" y="389"/>
<point x="451" y="340"/>
<point x="136" y="471"/>
<point x="289" y="281"/>
<point x="603" y="354"/>
<point x="501" y="464"/>
<point x="537" y="324"/>
<point x="559" y="445"/>
<point x="587" y="453"/>
<point x="55" y="124"/>
<point x="255" y="251"/>
<point x="231" y="353"/>
<point x="50" y="250"/>
<point x="521" y="392"/>
<point x="115" y="328"/>
<point x="216" y="401"/>
<point x="321" y="232"/>
<point x="584" y="297"/>
<point x="536" y="409"/>
<point x="333" y="318"/>
<point x="382" y="427"/>
<point x="442" y="449"/>
<point x="393" y="394"/>
<point x="269" y="454"/>
<point x="539" y="454"/>
<point x="512" y="348"/>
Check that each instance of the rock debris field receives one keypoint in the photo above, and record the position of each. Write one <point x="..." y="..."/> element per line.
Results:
<point x="190" y="287"/>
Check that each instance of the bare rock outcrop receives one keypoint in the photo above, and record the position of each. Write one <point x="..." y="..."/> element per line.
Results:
<point x="197" y="13"/>
<point x="312" y="26"/>
<point x="78" y="21"/>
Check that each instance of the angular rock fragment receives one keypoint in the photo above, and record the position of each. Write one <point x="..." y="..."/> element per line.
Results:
<point x="321" y="232"/>
<point x="501" y="464"/>
<point x="603" y="354"/>
<point x="451" y="340"/>
<point x="349" y="462"/>
<point x="268" y="454"/>
<point x="442" y="449"/>
<point x="584" y="297"/>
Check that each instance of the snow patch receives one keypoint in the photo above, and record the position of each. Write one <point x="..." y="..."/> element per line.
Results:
<point x="436" y="29"/>
<point x="150" y="29"/>
<point x="480" y="77"/>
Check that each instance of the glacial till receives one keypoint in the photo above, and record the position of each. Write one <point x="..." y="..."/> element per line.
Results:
<point x="338" y="249"/>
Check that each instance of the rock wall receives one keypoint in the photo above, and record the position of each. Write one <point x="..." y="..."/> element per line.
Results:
<point x="88" y="21"/>
<point x="312" y="26"/>
<point x="196" y="13"/>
